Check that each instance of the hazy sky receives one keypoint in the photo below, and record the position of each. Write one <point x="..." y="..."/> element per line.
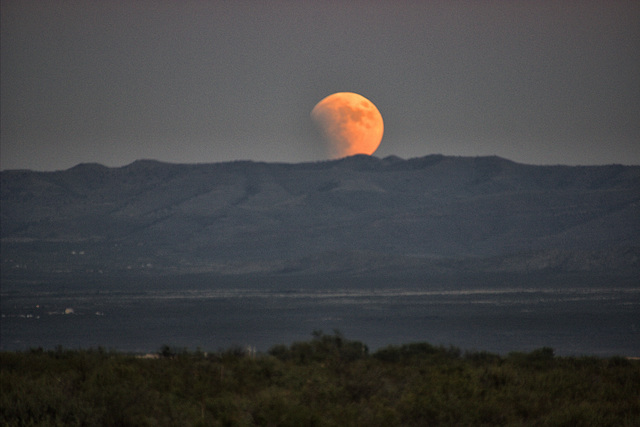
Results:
<point x="541" y="82"/>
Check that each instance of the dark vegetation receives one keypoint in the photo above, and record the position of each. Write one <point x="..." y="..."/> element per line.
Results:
<point x="327" y="381"/>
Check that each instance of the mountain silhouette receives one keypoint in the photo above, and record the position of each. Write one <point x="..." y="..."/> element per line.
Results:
<point x="357" y="215"/>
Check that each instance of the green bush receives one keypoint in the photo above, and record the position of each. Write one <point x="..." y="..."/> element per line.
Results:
<point x="327" y="381"/>
<point x="412" y="351"/>
<point x="323" y="348"/>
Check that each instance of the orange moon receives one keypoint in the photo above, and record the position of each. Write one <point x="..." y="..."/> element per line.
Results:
<point x="350" y="124"/>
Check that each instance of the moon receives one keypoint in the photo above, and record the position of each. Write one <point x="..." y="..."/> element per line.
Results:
<point x="350" y="124"/>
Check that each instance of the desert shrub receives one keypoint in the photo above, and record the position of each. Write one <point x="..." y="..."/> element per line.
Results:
<point x="482" y="358"/>
<point x="420" y="350"/>
<point x="541" y="358"/>
<point x="327" y="381"/>
<point x="322" y="348"/>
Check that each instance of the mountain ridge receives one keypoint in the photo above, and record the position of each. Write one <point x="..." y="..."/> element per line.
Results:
<point x="260" y="217"/>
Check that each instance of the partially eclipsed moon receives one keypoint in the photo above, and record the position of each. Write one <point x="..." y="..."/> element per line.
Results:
<point x="350" y="124"/>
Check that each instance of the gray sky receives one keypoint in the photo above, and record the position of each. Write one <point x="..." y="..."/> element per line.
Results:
<point x="540" y="82"/>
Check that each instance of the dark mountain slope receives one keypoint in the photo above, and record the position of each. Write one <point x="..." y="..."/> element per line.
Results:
<point x="355" y="214"/>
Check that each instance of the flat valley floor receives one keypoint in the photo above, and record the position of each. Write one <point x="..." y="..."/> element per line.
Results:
<point x="573" y="315"/>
